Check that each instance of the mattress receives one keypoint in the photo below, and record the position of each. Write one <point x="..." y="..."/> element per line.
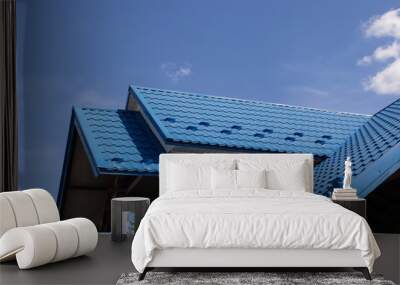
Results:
<point x="250" y="219"/>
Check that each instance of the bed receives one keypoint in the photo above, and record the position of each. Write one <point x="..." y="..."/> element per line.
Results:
<point x="247" y="211"/>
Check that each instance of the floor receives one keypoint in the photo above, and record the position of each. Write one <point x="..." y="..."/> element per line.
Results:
<point x="103" y="266"/>
<point x="389" y="263"/>
<point x="110" y="260"/>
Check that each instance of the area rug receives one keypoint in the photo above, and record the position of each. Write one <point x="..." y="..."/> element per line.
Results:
<point x="269" y="278"/>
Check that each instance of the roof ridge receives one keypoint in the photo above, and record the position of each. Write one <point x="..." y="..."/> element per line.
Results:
<point x="386" y="107"/>
<point x="249" y="101"/>
<point x="372" y="119"/>
<point x="100" y="109"/>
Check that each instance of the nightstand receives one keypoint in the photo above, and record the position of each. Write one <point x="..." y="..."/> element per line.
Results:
<point x="126" y="214"/>
<point x="358" y="206"/>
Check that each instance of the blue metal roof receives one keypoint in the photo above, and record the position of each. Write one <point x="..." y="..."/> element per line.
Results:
<point x="375" y="152"/>
<point x="187" y="118"/>
<point x="118" y="141"/>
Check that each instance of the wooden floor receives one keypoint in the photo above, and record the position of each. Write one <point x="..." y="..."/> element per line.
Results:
<point x="111" y="259"/>
<point x="103" y="266"/>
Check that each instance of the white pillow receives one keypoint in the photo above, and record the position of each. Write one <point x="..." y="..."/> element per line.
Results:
<point x="223" y="179"/>
<point x="289" y="175"/>
<point x="251" y="178"/>
<point x="189" y="175"/>
<point x="230" y="180"/>
<point x="181" y="177"/>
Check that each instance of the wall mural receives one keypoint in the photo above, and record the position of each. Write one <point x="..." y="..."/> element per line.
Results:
<point x="100" y="100"/>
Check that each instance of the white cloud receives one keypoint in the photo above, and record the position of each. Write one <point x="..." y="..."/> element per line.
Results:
<point x="308" y="91"/>
<point x="382" y="54"/>
<point x="386" y="81"/>
<point x="176" y="72"/>
<point x="386" y="25"/>
<point x="365" y="60"/>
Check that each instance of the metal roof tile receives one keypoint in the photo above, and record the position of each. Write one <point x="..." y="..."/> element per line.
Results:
<point x="119" y="140"/>
<point x="180" y="117"/>
<point x="375" y="145"/>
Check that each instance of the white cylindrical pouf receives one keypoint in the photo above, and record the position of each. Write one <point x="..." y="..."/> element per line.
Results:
<point x="23" y="208"/>
<point x="87" y="235"/>
<point x="7" y="218"/>
<point x="40" y="244"/>
<point x="67" y="240"/>
<point x="45" y="205"/>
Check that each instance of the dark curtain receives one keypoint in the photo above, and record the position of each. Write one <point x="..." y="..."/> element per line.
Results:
<point x="8" y="100"/>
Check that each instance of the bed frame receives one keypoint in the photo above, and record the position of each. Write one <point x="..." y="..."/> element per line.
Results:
<point x="251" y="259"/>
<point x="246" y="259"/>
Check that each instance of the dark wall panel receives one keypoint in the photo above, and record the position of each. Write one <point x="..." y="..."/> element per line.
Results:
<point x="383" y="206"/>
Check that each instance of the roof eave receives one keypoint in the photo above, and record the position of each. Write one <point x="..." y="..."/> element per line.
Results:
<point x="173" y="144"/>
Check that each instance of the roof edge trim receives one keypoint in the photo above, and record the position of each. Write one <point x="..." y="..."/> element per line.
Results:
<point x="366" y="116"/>
<point x="66" y="162"/>
<point x="73" y="130"/>
<point x="85" y="143"/>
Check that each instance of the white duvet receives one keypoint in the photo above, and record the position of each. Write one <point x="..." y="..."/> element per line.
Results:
<point x="250" y="219"/>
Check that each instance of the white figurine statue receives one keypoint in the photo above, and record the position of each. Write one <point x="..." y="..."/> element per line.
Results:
<point x="347" y="174"/>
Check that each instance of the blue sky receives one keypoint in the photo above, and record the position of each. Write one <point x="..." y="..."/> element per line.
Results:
<point x="86" y="53"/>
